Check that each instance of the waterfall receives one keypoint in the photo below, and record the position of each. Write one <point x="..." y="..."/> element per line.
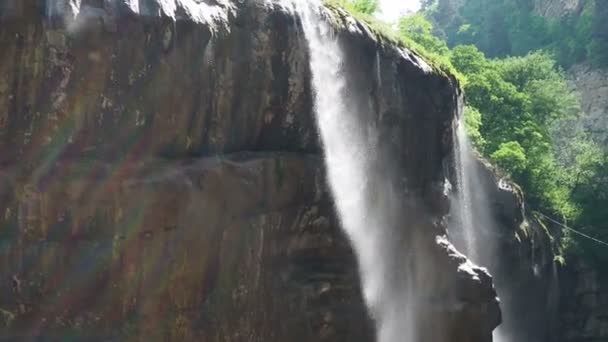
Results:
<point x="465" y="179"/>
<point x="361" y="181"/>
<point x="475" y="230"/>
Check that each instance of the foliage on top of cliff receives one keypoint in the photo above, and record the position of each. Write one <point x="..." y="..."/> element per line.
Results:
<point x="385" y="33"/>
<point x="368" y="7"/>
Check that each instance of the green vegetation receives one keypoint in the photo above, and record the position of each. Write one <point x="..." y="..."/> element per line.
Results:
<point x="397" y="36"/>
<point x="502" y="28"/>
<point x="511" y="157"/>
<point x="527" y="114"/>
<point x="519" y="101"/>
<point x="365" y="6"/>
<point x="358" y="8"/>
<point x="520" y="112"/>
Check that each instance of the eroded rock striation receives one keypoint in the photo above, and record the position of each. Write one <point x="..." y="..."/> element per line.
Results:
<point x="161" y="176"/>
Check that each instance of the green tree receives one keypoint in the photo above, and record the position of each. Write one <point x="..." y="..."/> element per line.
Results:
<point x="511" y="157"/>
<point x="472" y="120"/>
<point x="502" y="28"/>
<point x="591" y="196"/>
<point x="419" y="29"/>
<point x="469" y="60"/>
<point x="364" y="6"/>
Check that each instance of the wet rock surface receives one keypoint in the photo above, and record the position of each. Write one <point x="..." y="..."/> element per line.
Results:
<point x="584" y="303"/>
<point x="161" y="177"/>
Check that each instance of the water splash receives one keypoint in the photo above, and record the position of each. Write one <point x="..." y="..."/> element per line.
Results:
<point x="361" y="180"/>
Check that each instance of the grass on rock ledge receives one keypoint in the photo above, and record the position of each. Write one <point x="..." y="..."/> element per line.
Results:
<point x="389" y="34"/>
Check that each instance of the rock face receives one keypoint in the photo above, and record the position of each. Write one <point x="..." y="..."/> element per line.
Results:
<point x="583" y="304"/>
<point x="161" y="176"/>
<point x="592" y="84"/>
<point x="557" y="8"/>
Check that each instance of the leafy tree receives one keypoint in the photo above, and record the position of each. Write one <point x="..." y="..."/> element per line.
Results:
<point x="469" y="60"/>
<point x="538" y="76"/>
<point x="472" y="119"/>
<point x="503" y="28"/>
<point x="511" y="157"/>
<point x="417" y="32"/>
<point x="590" y="193"/>
<point x="365" y="6"/>
<point x="420" y="30"/>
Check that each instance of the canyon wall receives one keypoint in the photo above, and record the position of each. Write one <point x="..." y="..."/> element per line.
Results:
<point x="557" y="8"/>
<point x="162" y="177"/>
<point x="592" y="84"/>
<point x="583" y="303"/>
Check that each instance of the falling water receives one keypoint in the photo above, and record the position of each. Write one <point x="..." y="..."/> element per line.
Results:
<point x="478" y="233"/>
<point x="474" y="228"/>
<point x="464" y="202"/>
<point x="360" y="179"/>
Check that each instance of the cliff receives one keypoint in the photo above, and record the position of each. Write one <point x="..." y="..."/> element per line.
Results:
<point x="592" y="84"/>
<point x="162" y="178"/>
<point x="557" y="8"/>
<point x="583" y="303"/>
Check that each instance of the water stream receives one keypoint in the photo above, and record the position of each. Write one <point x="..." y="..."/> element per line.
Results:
<point x="478" y="234"/>
<point x="360" y="180"/>
<point x="474" y="230"/>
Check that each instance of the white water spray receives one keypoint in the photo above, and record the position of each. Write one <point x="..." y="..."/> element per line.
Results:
<point x="360" y="180"/>
<point x="465" y="177"/>
<point x="478" y="233"/>
<point x="473" y="219"/>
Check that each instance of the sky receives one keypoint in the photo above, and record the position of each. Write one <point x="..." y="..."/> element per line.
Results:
<point x="393" y="9"/>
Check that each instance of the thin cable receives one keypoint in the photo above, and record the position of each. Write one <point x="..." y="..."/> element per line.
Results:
<point x="574" y="230"/>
